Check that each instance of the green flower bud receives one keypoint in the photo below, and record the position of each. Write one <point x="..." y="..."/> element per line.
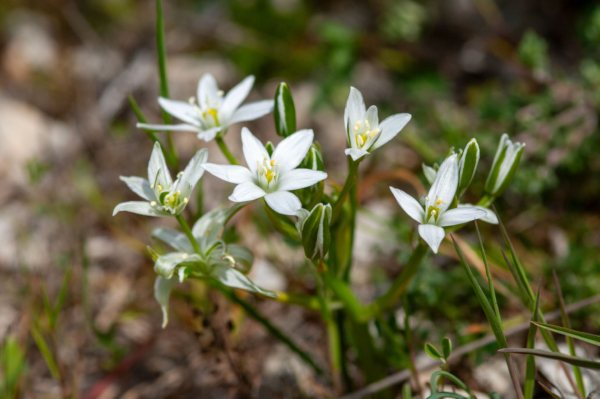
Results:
<point x="270" y="148"/>
<point x="313" y="160"/>
<point x="467" y="166"/>
<point x="504" y="167"/>
<point x="313" y="227"/>
<point x="285" y="111"/>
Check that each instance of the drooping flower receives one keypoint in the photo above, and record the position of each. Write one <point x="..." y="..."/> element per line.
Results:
<point x="434" y="214"/>
<point x="363" y="130"/>
<point x="164" y="197"/>
<point x="270" y="176"/>
<point x="212" y="111"/>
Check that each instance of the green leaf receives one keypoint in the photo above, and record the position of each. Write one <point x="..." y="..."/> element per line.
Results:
<point x="45" y="351"/>
<point x="285" y="111"/>
<point x="575" y="361"/>
<point x="432" y="351"/>
<point x="211" y="224"/>
<point x="446" y="347"/>
<point x="457" y="381"/>
<point x="406" y="391"/>
<point x="488" y="274"/>
<point x="176" y="239"/>
<point x="233" y="278"/>
<point x="13" y="365"/>
<point x="162" y="292"/>
<point x="530" y="366"/>
<point x="589" y="338"/>
<point x="483" y="301"/>
<point x="165" y="264"/>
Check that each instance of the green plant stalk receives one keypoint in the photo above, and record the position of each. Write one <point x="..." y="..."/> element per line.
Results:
<point x="333" y="334"/>
<point x="488" y="274"/>
<point x="276" y="332"/>
<point x="567" y="324"/>
<point x="142" y="119"/>
<point x="409" y="343"/>
<point x="199" y="200"/>
<point x="249" y="309"/>
<point x="354" y="209"/>
<point x="492" y="318"/>
<point x="530" y="363"/>
<point x="162" y="69"/>
<point x="45" y="351"/>
<point x="225" y="150"/>
<point x="351" y="181"/>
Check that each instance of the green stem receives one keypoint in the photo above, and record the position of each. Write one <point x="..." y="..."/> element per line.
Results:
<point x="354" y="208"/>
<point x="162" y="69"/>
<point x="351" y="181"/>
<point x="188" y="233"/>
<point x="226" y="151"/>
<point x="276" y="332"/>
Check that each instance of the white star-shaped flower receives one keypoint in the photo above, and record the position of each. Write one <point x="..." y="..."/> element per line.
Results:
<point x="212" y="111"/>
<point x="271" y="177"/>
<point x="434" y="214"/>
<point x="363" y="130"/>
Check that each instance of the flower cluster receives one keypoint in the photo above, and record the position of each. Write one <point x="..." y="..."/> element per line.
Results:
<point x="289" y="178"/>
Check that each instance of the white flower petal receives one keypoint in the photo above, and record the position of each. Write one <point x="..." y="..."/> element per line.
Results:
<point x="372" y="117"/>
<point x="252" y="111"/>
<point x="430" y="173"/>
<point x="291" y="150"/>
<point x="254" y="150"/>
<point x="410" y="205"/>
<point x="210" y="134"/>
<point x="162" y="292"/>
<point x="235" y="97"/>
<point x="390" y="127"/>
<point x="158" y="164"/>
<point x="184" y="127"/>
<point x="207" y="92"/>
<point x="460" y="215"/>
<point x="300" y="178"/>
<point x="444" y="186"/>
<point x="179" y="109"/>
<point x="139" y="186"/>
<point x="283" y="202"/>
<point x="433" y="235"/>
<point x="355" y="153"/>
<point x="246" y="192"/>
<point x="230" y="173"/>
<point x="193" y="171"/>
<point x="355" y="108"/>
<point x="490" y="216"/>
<point x="139" y="207"/>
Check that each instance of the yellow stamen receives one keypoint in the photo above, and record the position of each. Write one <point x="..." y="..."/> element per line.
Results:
<point x="183" y="256"/>
<point x="272" y="162"/>
<point x="185" y="200"/>
<point x="160" y="188"/>
<point x="178" y="193"/>
<point x="439" y="201"/>
<point x="153" y="203"/>
<point x="220" y="93"/>
<point x="229" y="258"/>
<point x="357" y="126"/>
<point x="367" y="124"/>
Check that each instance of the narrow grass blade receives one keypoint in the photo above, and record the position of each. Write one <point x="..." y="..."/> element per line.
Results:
<point x="576" y="361"/>
<point x="458" y="382"/>
<point x="45" y="351"/>
<point x="488" y="274"/>
<point x="483" y="301"/>
<point x="142" y="119"/>
<point x="60" y="301"/>
<point x="549" y="391"/>
<point x="162" y="58"/>
<point x="589" y="338"/>
<point x="567" y="323"/>
<point x="530" y="365"/>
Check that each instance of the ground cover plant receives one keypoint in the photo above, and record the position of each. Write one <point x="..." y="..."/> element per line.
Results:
<point x="274" y="248"/>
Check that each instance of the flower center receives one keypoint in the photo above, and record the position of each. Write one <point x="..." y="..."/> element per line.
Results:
<point x="434" y="209"/>
<point x="364" y="134"/>
<point x="268" y="169"/>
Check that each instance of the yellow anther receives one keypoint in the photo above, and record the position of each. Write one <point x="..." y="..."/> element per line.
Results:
<point x="183" y="256"/>
<point x="375" y="132"/>
<point x="439" y="201"/>
<point x="269" y="174"/>
<point x="178" y="193"/>
<point x="185" y="200"/>
<point x="357" y="126"/>
<point x="272" y="162"/>
<point x="153" y="203"/>
<point x="160" y="188"/>
<point x="220" y="93"/>
<point x="180" y="174"/>
<point x="367" y="124"/>
<point x="192" y="100"/>
<point x="152" y="186"/>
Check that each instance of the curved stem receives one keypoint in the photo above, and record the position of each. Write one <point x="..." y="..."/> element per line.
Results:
<point x="351" y="181"/>
<point x="226" y="151"/>
<point x="188" y="232"/>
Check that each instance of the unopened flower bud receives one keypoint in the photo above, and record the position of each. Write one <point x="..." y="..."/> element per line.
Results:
<point x="505" y="166"/>
<point x="313" y="227"/>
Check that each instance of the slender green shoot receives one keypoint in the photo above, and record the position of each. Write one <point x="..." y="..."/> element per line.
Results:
<point x="530" y="365"/>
